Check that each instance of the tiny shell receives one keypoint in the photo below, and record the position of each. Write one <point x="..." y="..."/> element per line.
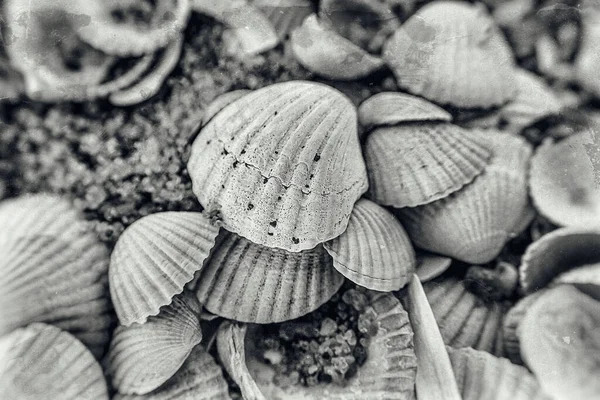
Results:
<point x="282" y="165"/>
<point x="511" y="323"/>
<point x="285" y="15"/>
<point x="42" y="362"/>
<point x="430" y="266"/>
<point x="220" y="102"/>
<point x="417" y="163"/>
<point x="153" y="260"/>
<point x="247" y="282"/>
<point x="452" y="53"/>
<point x="144" y="356"/>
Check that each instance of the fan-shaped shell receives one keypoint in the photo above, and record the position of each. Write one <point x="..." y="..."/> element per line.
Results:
<point x="153" y="260"/>
<point x="282" y="165"/>
<point x="220" y="102"/>
<point x="473" y="225"/>
<point x="285" y="15"/>
<point x="42" y="362"/>
<point x="452" y="53"/>
<point x="430" y="266"/>
<point x="560" y="343"/>
<point x="389" y="371"/>
<point x="247" y="282"/>
<point x="510" y="325"/>
<point x="417" y="163"/>
<point x="375" y="251"/>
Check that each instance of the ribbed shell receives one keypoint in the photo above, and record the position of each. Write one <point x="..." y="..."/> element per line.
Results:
<point x="247" y="282"/>
<point x="388" y="373"/>
<point x="43" y="362"/>
<point x="430" y="266"/>
<point x="200" y="378"/>
<point x="391" y="108"/>
<point x="144" y="356"/>
<point x="417" y="163"/>
<point x="452" y="53"/>
<point x="153" y="260"/>
<point x="559" y="343"/>
<point x="482" y="376"/>
<point x="282" y="165"/>
<point x="285" y="15"/>
<point x="510" y="325"/>
<point x="220" y="102"/>
<point x="375" y="251"/>
<point x="473" y="225"/>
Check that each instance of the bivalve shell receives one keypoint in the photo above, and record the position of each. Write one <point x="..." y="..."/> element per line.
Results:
<point x="285" y="15"/>
<point x="585" y="278"/>
<point x="511" y="323"/>
<point x="430" y="266"/>
<point x="220" y="102"/>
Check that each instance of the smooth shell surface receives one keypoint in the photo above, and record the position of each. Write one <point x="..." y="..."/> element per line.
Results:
<point x="282" y="165"/>
<point x="417" y="163"/>
<point x="153" y="260"/>
<point x="430" y="266"/>
<point x="511" y="323"/>
<point x="43" y="362"/>
<point x="452" y="53"/>
<point x="585" y="278"/>
<point x="375" y="251"/>
<point x="285" y="15"/>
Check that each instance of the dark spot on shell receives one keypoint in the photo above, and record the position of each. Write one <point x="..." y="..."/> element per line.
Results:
<point x="222" y="186"/>
<point x="270" y="233"/>
<point x="273" y="224"/>
<point x="235" y="163"/>
<point x="311" y="176"/>
<point x="306" y="186"/>
<point x="224" y="152"/>
<point x="265" y="180"/>
<point x="208" y="142"/>
<point x="250" y="206"/>
<point x="243" y="152"/>
<point x="295" y="240"/>
<point x="317" y="157"/>
<point x="278" y="198"/>
<point x="275" y="113"/>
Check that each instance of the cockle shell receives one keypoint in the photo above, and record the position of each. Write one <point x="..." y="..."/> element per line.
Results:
<point x="560" y="343"/>
<point x="53" y="269"/>
<point x="430" y="266"/>
<point x="220" y="102"/>
<point x="417" y="163"/>
<point x="282" y="165"/>
<point x="451" y="52"/>
<point x="285" y="15"/>
<point x="153" y="260"/>
<point x="144" y="356"/>
<point x="375" y="251"/>
<point x="511" y="323"/>
<point x="389" y="371"/>
<point x="247" y="282"/>
<point x="473" y="225"/>
<point x="43" y="362"/>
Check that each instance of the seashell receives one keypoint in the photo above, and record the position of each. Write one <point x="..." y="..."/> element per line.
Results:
<point x="200" y="378"/>
<point x="585" y="278"/>
<point x="220" y="102"/>
<point x="321" y="50"/>
<point x="153" y="260"/>
<point x="511" y="323"/>
<point x="43" y="362"/>
<point x="452" y="53"/>
<point x="282" y="165"/>
<point x="285" y="15"/>
<point x="144" y="356"/>
<point x="473" y="225"/>
<point x="247" y="282"/>
<point x="482" y="376"/>
<point x="562" y="183"/>
<point x="417" y="163"/>
<point x="585" y="70"/>
<point x="54" y="270"/>
<point x="557" y="252"/>
<point x="391" y="108"/>
<point x="375" y="251"/>
<point x="559" y="342"/>
<point x="430" y="266"/>
<point x="389" y="371"/>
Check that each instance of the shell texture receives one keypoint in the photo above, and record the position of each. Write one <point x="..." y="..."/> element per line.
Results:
<point x="585" y="278"/>
<point x="247" y="282"/>
<point x="430" y="266"/>
<point x="220" y="102"/>
<point x="43" y="362"/>
<point x="511" y="323"/>
<point x="375" y="251"/>
<point x="282" y="165"/>
<point x="285" y="15"/>
<point x="153" y="260"/>
<point x="451" y="52"/>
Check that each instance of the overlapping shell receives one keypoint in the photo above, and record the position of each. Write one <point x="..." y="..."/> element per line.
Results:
<point x="282" y="165"/>
<point x="375" y="251"/>
<point x="511" y="323"/>
<point x="285" y="15"/>
<point x="430" y="266"/>
<point x="153" y="260"/>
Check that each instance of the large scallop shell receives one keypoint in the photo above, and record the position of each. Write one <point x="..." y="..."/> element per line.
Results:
<point x="282" y="165"/>
<point x="153" y="260"/>
<point x="42" y="362"/>
<point x="511" y="323"/>
<point x="417" y="163"/>
<point x="389" y="371"/>
<point x="247" y="282"/>
<point x="473" y="225"/>
<point x="560" y="343"/>
<point x="451" y="52"/>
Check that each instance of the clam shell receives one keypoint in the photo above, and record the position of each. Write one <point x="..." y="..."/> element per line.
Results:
<point x="323" y="51"/>
<point x="389" y="371"/>
<point x="285" y="15"/>
<point x="247" y="282"/>
<point x="511" y="323"/>
<point x="282" y="165"/>
<point x="585" y="278"/>
<point x="417" y="163"/>
<point x="220" y="102"/>
<point x="562" y="183"/>
<point x="144" y="356"/>
<point x="452" y="53"/>
<point x="482" y="376"/>
<point x="43" y="362"/>
<point x="473" y="225"/>
<point x="375" y="251"/>
<point x="559" y="342"/>
<point x="153" y="260"/>
<point x="430" y="266"/>
<point x="391" y="108"/>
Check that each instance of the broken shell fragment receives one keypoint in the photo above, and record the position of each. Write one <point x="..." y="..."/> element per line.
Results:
<point x="511" y="323"/>
<point x="285" y="15"/>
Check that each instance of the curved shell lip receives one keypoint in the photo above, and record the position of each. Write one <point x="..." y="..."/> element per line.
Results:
<point x="431" y="265"/>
